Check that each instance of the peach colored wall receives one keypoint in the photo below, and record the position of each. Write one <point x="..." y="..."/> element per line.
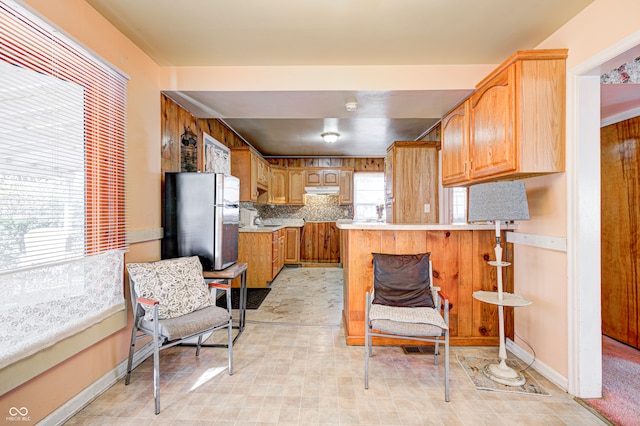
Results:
<point x="47" y="392"/>
<point x="541" y="275"/>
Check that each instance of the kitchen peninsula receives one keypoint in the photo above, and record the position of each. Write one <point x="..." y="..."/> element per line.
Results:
<point x="459" y="254"/>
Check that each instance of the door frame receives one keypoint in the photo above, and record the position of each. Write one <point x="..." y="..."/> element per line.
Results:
<point x="583" y="217"/>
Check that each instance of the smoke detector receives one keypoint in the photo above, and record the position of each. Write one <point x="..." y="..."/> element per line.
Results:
<point x="351" y="106"/>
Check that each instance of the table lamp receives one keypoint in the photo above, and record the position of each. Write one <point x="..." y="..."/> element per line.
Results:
<point x="499" y="201"/>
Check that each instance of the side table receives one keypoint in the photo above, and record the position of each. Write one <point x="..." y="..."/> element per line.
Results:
<point x="227" y="275"/>
<point x="501" y="372"/>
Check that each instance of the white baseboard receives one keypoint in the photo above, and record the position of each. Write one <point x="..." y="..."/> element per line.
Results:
<point x="542" y="368"/>
<point x="94" y="390"/>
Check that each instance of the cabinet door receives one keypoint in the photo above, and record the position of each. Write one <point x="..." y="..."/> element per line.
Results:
<point x="275" y="250"/>
<point x="455" y="145"/>
<point x="346" y="187"/>
<point x="278" y="187"/>
<point x="296" y="186"/>
<point x="330" y="177"/>
<point x="388" y="186"/>
<point x="492" y="135"/>
<point x="263" y="171"/>
<point x="254" y="178"/>
<point x="313" y="178"/>
<point x="281" y="249"/>
<point x="292" y="246"/>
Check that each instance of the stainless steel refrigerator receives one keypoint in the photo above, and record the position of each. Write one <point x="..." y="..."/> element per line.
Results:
<point x="201" y="218"/>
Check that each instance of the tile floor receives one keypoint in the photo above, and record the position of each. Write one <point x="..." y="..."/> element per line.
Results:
<point x="292" y="367"/>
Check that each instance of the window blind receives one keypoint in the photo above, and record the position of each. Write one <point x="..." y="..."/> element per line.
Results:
<point x="62" y="170"/>
<point x="368" y="196"/>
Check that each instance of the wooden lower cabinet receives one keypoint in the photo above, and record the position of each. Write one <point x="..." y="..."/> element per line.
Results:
<point x="320" y="243"/>
<point x="264" y="254"/>
<point x="459" y="268"/>
<point x="291" y="246"/>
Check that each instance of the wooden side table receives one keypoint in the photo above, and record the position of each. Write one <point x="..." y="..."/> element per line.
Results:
<point x="227" y="275"/>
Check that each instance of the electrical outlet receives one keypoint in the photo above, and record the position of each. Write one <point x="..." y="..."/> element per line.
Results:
<point x="427" y="208"/>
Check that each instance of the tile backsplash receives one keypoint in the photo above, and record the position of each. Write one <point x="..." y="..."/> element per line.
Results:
<point x="318" y="208"/>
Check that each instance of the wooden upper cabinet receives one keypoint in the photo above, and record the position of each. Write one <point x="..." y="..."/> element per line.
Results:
<point x="279" y="186"/>
<point x="493" y="147"/>
<point x="331" y="177"/>
<point x="516" y="122"/>
<point x="413" y="172"/>
<point x="296" y="184"/>
<point x="455" y="145"/>
<point x="263" y="173"/>
<point x="313" y="178"/>
<point x="322" y="177"/>
<point x="248" y="166"/>
<point x="346" y="187"/>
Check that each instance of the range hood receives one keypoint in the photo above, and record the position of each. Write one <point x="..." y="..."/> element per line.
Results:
<point x="322" y="190"/>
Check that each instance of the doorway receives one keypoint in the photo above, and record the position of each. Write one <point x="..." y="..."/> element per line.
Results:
<point x="583" y="194"/>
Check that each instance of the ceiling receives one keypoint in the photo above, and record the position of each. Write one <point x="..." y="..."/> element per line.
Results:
<point x="258" y="33"/>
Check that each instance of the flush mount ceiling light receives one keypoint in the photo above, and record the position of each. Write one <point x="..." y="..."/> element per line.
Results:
<point x="330" y="137"/>
<point x="351" y="106"/>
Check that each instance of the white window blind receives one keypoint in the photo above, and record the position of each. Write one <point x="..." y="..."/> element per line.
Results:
<point x="62" y="160"/>
<point x="368" y="190"/>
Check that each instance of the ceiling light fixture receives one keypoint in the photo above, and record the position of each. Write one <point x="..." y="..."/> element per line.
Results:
<point x="330" y="137"/>
<point x="351" y="106"/>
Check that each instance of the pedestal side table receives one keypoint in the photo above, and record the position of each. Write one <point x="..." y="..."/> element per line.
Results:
<point x="501" y="372"/>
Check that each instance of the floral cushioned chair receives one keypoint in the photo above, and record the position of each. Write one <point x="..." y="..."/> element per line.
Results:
<point x="172" y="303"/>
<point x="402" y="304"/>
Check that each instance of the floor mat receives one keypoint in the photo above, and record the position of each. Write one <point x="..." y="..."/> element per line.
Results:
<point x="255" y="297"/>
<point x="473" y="367"/>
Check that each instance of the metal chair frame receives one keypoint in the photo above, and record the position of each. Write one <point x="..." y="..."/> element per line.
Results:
<point x="160" y="342"/>
<point x="442" y="304"/>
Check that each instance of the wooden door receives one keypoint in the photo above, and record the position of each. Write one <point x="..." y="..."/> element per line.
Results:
<point x="455" y="145"/>
<point x="620" y="212"/>
<point x="492" y="121"/>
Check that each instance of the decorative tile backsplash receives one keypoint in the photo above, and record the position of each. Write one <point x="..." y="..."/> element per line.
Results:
<point x="318" y="208"/>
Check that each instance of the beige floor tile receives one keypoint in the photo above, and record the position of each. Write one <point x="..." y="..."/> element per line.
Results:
<point x="292" y="367"/>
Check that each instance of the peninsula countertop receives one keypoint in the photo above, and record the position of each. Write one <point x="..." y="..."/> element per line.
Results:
<point x="383" y="226"/>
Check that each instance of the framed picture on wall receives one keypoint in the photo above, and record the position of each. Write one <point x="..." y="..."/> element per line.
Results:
<point x="216" y="156"/>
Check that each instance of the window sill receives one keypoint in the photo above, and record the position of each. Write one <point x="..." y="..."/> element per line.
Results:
<point x="26" y="369"/>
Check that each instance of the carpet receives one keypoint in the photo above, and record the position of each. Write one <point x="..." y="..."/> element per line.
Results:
<point x="620" y="402"/>
<point x="473" y="367"/>
<point x="255" y="297"/>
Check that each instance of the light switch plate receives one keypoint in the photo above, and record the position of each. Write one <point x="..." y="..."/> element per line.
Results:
<point x="427" y="208"/>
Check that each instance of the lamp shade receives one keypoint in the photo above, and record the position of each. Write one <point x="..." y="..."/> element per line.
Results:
<point x="498" y="201"/>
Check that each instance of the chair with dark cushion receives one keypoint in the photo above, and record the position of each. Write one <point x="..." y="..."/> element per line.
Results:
<point x="403" y="304"/>
<point x="173" y="304"/>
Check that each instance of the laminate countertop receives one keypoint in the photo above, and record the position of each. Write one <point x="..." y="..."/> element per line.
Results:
<point x="383" y="226"/>
<point x="271" y="225"/>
